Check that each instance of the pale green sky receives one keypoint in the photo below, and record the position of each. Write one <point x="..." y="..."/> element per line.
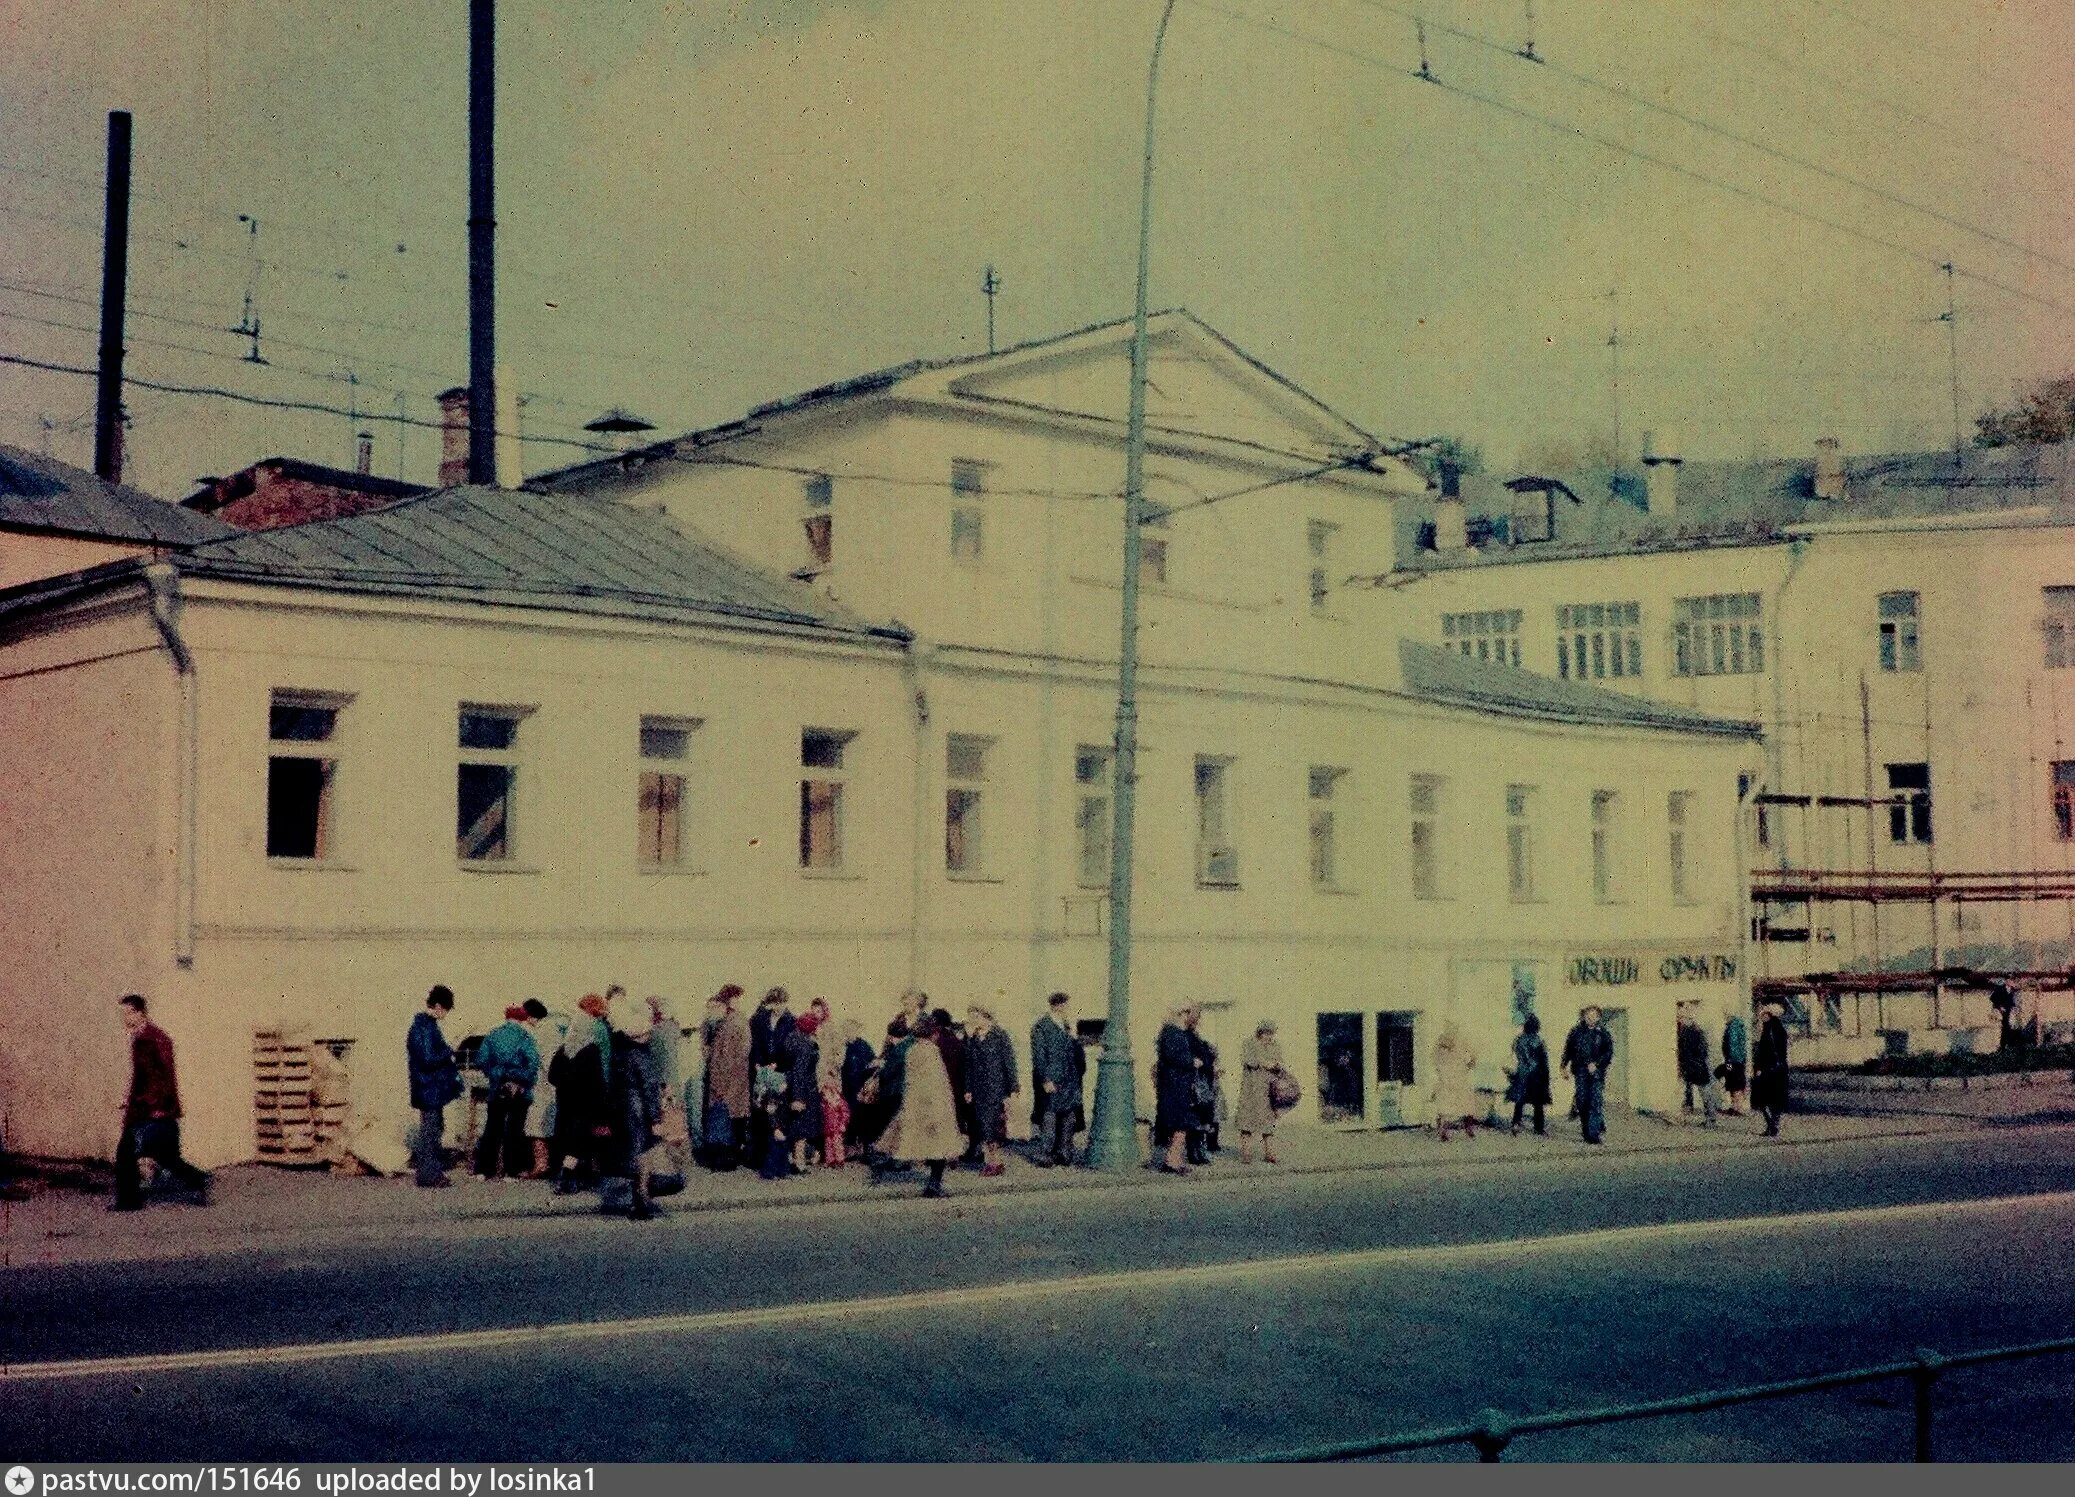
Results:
<point x="726" y="202"/>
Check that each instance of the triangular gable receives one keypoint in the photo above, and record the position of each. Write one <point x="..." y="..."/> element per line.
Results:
<point x="1197" y="383"/>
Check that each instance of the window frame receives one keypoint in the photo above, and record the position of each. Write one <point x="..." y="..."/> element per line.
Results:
<point x="1221" y="769"/>
<point x="1678" y="821"/>
<point x="1719" y="634"/>
<point x="1488" y="634"/>
<point x="1318" y="542"/>
<point x="1909" y="820"/>
<point x="1899" y="636"/>
<point x="1607" y="808"/>
<point x="1331" y="878"/>
<point x="290" y="749"/>
<point x="968" y="514"/>
<point x="2060" y="791"/>
<point x="1094" y="810"/>
<point x="835" y="779"/>
<point x="1520" y="844"/>
<point x="1426" y="800"/>
<point x="676" y="767"/>
<point x="972" y="784"/>
<point x="1599" y="641"/>
<point x="509" y="758"/>
<point x="2057" y="626"/>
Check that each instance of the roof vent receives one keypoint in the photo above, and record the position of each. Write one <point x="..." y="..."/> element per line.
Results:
<point x="1830" y="481"/>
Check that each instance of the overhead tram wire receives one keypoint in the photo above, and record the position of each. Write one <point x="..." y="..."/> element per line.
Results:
<point x="1934" y="261"/>
<point x="1696" y="122"/>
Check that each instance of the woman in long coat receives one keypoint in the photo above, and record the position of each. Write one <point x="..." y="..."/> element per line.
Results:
<point x="1260" y="1062"/>
<point x="990" y="1080"/>
<point x="1769" y="1069"/>
<point x="1174" y="1088"/>
<point x="801" y="1057"/>
<point x="926" y="1126"/>
<point x="634" y="1104"/>
<point x="858" y="1060"/>
<point x="577" y="1073"/>
<point x="1529" y="1086"/>
<point x="1454" y="1100"/>
<point x="727" y="1082"/>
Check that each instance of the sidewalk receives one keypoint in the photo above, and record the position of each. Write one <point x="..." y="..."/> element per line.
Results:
<point x="259" y="1207"/>
<point x="2007" y="1101"/>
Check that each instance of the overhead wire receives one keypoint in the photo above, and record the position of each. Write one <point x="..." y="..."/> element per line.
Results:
<point x="1579" y="132"/>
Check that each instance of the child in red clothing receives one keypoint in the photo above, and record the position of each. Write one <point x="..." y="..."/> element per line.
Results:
<point x="835" y="1119"/>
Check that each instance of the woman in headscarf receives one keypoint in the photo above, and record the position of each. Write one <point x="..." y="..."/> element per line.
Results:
<point x="1528" y="1087"/>
<point x="634" y="1103"/>
<point x="577" y="1073"/>
<point x="801" y="1057"/>
<point x="858" y="1060"/>
<point x="1260" y="1063"/>
<point x="1174" y="1089"/>
<point x="926" y="1126"/>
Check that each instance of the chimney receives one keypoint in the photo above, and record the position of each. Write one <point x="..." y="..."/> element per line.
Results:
<point x="453" y="436"/>
<point x="1829" y="469"/>
<point x="1661" y="463"/>
<point x="1451" y="527"/>
<point x="364" y="457"/>
<point x="509" y="466"/>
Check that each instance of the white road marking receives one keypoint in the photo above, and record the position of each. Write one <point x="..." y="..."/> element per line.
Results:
<point x="1435" y="1255"/>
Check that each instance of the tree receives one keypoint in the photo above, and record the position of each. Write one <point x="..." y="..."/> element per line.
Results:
<point x="2044" y="412"/>
<point x="1465" y="457"/>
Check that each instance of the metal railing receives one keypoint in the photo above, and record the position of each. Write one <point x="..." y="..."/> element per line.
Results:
<point x="1494" y="1430"/>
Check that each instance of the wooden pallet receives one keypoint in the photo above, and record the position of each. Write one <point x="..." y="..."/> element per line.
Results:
<point x="291" y="1124"/>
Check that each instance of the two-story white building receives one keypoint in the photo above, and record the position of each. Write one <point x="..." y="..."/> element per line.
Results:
<point x="1903" y="626"/>
<point x="825" y="698"/>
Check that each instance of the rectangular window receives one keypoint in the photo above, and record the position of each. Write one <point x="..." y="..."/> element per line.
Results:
<point x="1325" y="847"/>
<point x="486" y="783"/>
<point x="299" y="775"/>
<point x="1092" y="817"/>
<point x="1677" y="810"/>
<point x="666" y="749"/>
<point x="1898" y="633"/>
<point x="2063" y="772"/>
<point x="1530" y="515"/>
<point x="1606" y="838"/>
<point x="1217" y="853"/>
<point x="1718" y="635"/>
<point x="968" y="484"/>
<point x="1343" y="1091"/>
<point x="822" y="755"/>
<point x="1598" y="641"/>
<point x="1490" y="635"/>
<point x="1426" y="836"/>
<point x="1909" y="818"/>
<point x="1520" y="843"/>
<point x="1319" y="541"/>
<point x="2059" y="627"/>
<point x="965" y="783"/>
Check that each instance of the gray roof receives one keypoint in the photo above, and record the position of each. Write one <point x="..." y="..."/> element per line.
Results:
<point x="1450" y="678"/>
<point x="1746" y="503"/>
<point x="37" y="493"/>
<point x="510" y="547"/>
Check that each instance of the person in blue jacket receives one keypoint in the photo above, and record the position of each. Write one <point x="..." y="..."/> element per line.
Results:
<point x="435" y="1081"/>
<point x="510" y="1063"/>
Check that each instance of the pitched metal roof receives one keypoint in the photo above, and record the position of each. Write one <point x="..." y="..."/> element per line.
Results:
<point x="1744" y="503"/>
<point x="1453" y="679"/>
<point x="38" y="493"/>
<point x="524" y="549"/>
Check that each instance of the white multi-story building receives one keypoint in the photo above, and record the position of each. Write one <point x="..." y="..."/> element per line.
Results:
<point x="1903" y="626"/>
<point x="532" y="742"/>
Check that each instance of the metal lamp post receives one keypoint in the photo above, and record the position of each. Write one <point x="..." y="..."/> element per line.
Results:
<point x="1113" y="1137"/>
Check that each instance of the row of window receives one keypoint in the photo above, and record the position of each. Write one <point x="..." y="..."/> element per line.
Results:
<point x="302" y="764"/>
<point x="1720" y="634"/>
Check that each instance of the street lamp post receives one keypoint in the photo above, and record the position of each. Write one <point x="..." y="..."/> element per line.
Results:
<point x="1113" y="1138"/>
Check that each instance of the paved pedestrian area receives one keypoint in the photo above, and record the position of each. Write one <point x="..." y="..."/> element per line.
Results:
<point x="255" y="1204"/>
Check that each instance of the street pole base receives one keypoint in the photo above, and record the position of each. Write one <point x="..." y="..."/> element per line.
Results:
<point x="1113" y="1133"/>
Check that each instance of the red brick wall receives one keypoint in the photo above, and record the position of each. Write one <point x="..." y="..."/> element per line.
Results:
<point x="278" y="501"/>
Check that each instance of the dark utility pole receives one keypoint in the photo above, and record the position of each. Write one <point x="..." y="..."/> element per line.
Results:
<point x="115" y="274"/>
<point x="482" y="242"/>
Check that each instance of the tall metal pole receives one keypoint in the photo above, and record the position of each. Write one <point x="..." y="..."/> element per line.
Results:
<point x="1113" y="1138"/>
<point x="115" y="274"/>
<point x="1951" y="319"/>
<point x="482" y="242"/>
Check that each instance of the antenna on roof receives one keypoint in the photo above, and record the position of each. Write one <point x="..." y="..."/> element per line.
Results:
<point x="1527" y="48"/>
<point x="1614" y="370"/>
<point x="248" y="325"/>
<point x="1951" y="318"/>
<point x="990" y="287"/>
<point x="1419" y="28"/>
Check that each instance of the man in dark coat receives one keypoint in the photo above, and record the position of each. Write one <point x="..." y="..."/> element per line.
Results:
<point x="1057" y="1064"/>
<point x="633" y="1105"/>
<point x="1587" y="1052"/>
<point x="1528" y="1083"/>
<point x="1203" y="1124"/>
<point x="1769" y="1068"/>
<point x="435" y="1081"/>
<point x="1174" y="1088"/>
<point x="1693" y="1064"/>
<point x="151" y="1115"/>
<point x="950" y="1041"/>
<point x="769" y="1028"/>
<point x="990" y="1080"/>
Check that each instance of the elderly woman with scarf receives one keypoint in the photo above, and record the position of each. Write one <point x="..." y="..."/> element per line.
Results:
<point x="1175" y="1065"/>
<point x="800" y="1055"/>
<point x="926" y="1126"/>
<point x="577" y="1073"/>
<point x="634" y="1104"/>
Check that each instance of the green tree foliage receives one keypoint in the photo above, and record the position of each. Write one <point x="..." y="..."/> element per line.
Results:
<point x="1466" y="456"/>
<point x="2045" y="412"/>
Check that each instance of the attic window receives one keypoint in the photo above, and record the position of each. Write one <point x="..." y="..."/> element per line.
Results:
<point x="1533" y="515"/>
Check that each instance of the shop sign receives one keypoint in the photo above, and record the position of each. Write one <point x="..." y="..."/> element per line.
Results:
<point x="1669" y="967"/>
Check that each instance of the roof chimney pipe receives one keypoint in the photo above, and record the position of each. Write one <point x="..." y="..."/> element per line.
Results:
<point x="1451" y="523"/>
<point x="453" y="436"/>
<point x="1830" y="479"/>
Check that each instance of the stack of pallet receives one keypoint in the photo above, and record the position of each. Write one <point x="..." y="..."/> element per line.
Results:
<point x="299" y="1118"/>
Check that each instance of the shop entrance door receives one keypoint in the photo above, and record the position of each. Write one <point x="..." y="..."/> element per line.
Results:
<point x="1616" y="1022"/>
<point x="1342" y="1073"/>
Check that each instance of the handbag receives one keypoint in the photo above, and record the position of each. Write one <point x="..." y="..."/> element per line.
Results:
<point x="1283" y="1090"/>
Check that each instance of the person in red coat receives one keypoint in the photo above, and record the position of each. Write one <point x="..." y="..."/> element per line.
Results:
<point x="151" y="1116"/>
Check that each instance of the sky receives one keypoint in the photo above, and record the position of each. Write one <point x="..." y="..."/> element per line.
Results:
<point x="706" y="204"/>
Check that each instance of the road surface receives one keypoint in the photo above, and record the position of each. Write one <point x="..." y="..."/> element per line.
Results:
<point x="1204" y="1319"/>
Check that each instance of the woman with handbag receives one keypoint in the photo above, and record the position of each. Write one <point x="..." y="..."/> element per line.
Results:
<point x="1263" y="1081"/>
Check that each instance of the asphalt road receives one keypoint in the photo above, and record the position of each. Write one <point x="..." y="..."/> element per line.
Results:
<point x="1199" y="1320"/>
